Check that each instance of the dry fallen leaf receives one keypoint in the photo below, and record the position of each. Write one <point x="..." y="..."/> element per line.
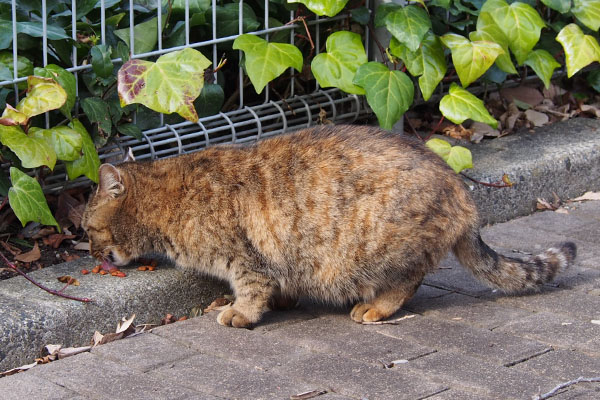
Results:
<point x="56" y="239"/>
<point x="592" y="109"/>
<point x="536" y="118"/>
<point x="458" y="132"/>
<point x="18" y="369"/>
<point x="588" y="196"/>
<point x="125" y="324"/>
<point x="217" y="305"/>
<point x="85" y="246"/>
<point x="30" y="256"/>
<point x="68" y="279"/>
<point x="525" y="94"/>
<point x="544" y="205"/>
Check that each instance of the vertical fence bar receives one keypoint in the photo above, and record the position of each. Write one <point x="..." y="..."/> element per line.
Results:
<point x="214" y="34"/>
<point x="292" y="72"/>
<point x="102" y="22"/>
<point x="267" y="38"/>
<point x="131" y="27"/>
<point x="240" y="54"/>
<point x="187" y="22"/>
<point x="159" y="42"/>
<point x="45" y="48"/>
<point x="14" y="49"/>
<point x="74" y="37"/>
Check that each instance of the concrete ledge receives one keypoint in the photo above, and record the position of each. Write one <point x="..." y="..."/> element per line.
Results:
<point x="563" y="158"/>
<point x="32" y="318"/>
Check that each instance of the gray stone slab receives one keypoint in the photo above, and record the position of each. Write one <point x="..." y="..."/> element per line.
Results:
<point x="340" y="336"/>
<point x="359" y="380"/>
<point x="229" y="379"/>
<point x="567" y="302"/>
<point x="94" y="377"/>
<point x="28" y="386"/>
<point x="559" y="331"/>
<point x="143" y="352"/>
<point x="563" y="158"/>
<point x="441" y="335"/>
<point x="452" y="276"/>
<point x="454" y="394"/>
<point x="33" y="318"/>
<point x="250" y="347"/>
<point x="463" y="372"/>
<point x="562" y="365"/>
<point x="478" y="312"/>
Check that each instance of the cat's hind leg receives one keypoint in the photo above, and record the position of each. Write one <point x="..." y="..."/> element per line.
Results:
<point x="386" y="302"/>
<point x="252" y="294"/>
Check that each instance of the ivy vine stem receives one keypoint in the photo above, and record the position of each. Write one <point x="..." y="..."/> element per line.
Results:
<point x="51" y="291"/>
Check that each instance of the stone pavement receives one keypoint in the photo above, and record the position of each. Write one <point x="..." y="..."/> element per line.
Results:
<point x="464" y="342"/>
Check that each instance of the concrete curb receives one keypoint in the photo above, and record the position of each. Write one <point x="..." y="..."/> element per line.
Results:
<point x="563" y="158"/>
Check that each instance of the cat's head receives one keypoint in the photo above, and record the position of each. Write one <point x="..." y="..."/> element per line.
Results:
<point x="108" y="221"/>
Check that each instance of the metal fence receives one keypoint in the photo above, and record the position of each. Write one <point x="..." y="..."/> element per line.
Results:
<point x="248" y="120"/>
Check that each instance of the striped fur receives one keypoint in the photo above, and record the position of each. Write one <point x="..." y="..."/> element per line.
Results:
<point x="341" y="214"/>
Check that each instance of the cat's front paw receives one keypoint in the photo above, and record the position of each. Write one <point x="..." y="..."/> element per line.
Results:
<point x="365" y="312"/>
<point x="232" y="317"/>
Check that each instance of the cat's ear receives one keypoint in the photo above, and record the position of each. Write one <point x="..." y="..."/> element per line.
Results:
<point x="111" y="182"/>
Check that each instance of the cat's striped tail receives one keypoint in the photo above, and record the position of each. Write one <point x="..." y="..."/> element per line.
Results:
<point x="512" y="274"/>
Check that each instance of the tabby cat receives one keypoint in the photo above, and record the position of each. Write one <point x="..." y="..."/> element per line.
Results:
<point x="337" y="213"/>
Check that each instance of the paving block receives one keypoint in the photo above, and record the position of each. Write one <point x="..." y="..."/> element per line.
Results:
<point x="143" y="352"/>
<point x="478" y="312"/>
<point x="466" y="373"/>
<point x="340" y="336"/>
<point x="229" y="379"/>
<point x="357" y="379"/>
<point x="443" y="335"/>
<point x="559" y="331"/>
<point x="250" y="347"/>
<point x="96" y="378"/>
<point x="451" y="275"/>
<point x="454" y="394"/>
<point x="562" y="365"/>
<point x="28" y="386"/>
<point x="566" y="302"/>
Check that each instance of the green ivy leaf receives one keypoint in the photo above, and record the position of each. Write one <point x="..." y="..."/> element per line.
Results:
<point x="210" y="100"/>
<point x="362" y="15"/>
<point x="130" y="130"/>
<point x="471" y="59"/>
<point x="266" y="61"/>
<point x="488" y="30"/>
<point x="228" y="19"/>
<point x="543" y="64"/>
<point x="169" y="85"/>
<point x="89" y="162"/>
<point x="459" y="105"/>
<point x="337" y="67"/>
<point x="382" y="12"/>
<point x="33" y="152"/>
<point x="35" y="29"/>
<point x="12" y="116"/>
<point x="389" y="93"/>
<point x="27" y="199"/>
<point x="97" y="111"/>
<point x="428" y="62"/>
<point x="65" y="79"/>
<point x="593" y="79"/>
<point x="457" y="157"/>
<point x="562" y="6"/>
<point x="101" y="63"/>
<point x="24" y="66"/>
<point x="144" y="35"/>
<point x="329" y="8"/>
<point x="580" y="50"/>
<point x="588" y="12"/>
<point x="520" y="22"/>
<point x="408" y="25"/>
<point x="65" y="141"/>
<point x="43" y="94"/>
